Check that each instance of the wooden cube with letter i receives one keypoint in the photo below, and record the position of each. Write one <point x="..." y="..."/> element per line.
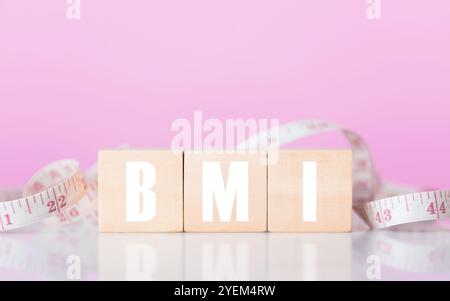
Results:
<point x="310" y="191"/>
<point x="225" y="192"/>
<point x="140" y="191"/>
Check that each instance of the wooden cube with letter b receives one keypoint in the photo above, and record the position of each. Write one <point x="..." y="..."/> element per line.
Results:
<point x="310" y="191"/>
<point x="140" y="191"/>
<point x="225" y="192"/>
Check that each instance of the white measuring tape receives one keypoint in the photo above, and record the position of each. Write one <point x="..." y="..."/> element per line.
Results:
<point x="377" y="213"/>
<point x="60" y="190"/>
<point x="52" y="191"/>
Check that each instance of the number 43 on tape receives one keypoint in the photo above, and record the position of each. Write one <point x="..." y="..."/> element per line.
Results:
<point x="165" y="191"/>
<point x="413" y="207"/>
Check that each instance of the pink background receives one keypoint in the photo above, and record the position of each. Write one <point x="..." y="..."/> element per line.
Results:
<point x="127" y="69"/>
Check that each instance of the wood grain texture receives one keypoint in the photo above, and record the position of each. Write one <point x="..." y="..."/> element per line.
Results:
<point x="168" y="189"/>
<point x="257" y="193"/>
<point x="334" y="191"/>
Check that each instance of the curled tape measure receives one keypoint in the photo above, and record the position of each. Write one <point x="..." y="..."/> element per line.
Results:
<point x="376" y="213"/>
<point x="408" y="208"/>
<point x="59" y="193"/>
<point x="53" y="190"/>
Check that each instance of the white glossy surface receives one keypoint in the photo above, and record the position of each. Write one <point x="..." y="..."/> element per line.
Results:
<point x="404" y="255"/>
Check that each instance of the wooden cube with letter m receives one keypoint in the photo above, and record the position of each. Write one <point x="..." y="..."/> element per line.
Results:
<point x="225" y="192"/>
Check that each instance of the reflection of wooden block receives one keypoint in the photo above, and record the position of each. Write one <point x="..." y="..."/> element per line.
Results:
<point x="310" y="191"/>
<point x="215" y="192"/>
<point x="225" y="257"/>
<point x="309" y="256"/>
<point x="149" y="179"/>
<point x="138" y="257"/>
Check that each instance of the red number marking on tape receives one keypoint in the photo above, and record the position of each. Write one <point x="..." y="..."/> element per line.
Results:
<point x="431" y="210"/>
<point x="62" y="201"/>
<point x="51" y="206"/>
<point x="56" y="202"/>
<point x="435" y="201"/>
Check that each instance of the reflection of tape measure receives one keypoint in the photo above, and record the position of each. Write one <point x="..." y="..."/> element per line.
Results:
<point x="45" y="255"/>
<point x="60" y="190"/>
<point x="51" y="191"/>
<point x="423" y="252"/>
<point x="379" y="213"/>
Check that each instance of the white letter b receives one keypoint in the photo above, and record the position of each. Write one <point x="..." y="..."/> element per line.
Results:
<point x="137" y="186"/>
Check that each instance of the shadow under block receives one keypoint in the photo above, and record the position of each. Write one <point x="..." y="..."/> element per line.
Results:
<point x="217" y="202"/>
<point x="155" y="180"/>
<point x="324" y="204"/>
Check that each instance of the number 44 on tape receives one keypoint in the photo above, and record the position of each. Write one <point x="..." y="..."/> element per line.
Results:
<point x="164" y="191"/>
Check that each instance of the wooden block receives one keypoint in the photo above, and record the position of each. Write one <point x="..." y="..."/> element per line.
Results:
<point x="310" y="191"/>
<point x="140" y="191"/>
<point x="225" y="192"/>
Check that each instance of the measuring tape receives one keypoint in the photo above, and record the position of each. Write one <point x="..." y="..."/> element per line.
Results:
<point x="408" y="208"/>
<point x="59" y="193"/>
<point x="377" y="213"/>
<point x="85" y="209"/>
<point x="54" y="189"/>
